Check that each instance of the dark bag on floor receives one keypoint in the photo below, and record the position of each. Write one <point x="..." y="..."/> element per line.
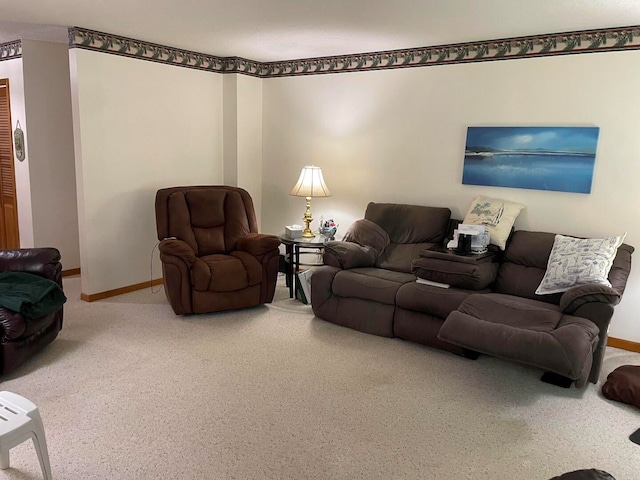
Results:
<point x="623" y="385"/>
<point x="591" y="474"/>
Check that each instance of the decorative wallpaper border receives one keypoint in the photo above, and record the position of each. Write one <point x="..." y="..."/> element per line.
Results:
<point x="129" y="47"/>
<point x="571" y="43"/>
<point x="10" y="50"/>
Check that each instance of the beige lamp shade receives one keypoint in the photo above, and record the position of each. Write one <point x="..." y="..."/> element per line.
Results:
<point x="311" y="183"/>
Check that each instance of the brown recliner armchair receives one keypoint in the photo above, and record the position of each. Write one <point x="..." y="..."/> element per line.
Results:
<point x="21" y="337"/>
<point x="213" y="257"/>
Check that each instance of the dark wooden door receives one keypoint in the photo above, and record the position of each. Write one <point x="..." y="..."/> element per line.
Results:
<point x="9" y="235"/>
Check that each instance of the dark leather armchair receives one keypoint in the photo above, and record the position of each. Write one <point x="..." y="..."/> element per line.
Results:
<point x="213" y="257"/>
<point x="21" y="337"/>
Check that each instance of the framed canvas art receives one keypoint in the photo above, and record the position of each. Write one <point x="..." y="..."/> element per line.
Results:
<point x="542" y="158"/>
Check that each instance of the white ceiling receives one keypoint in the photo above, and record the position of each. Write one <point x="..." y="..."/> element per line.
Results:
<point x="267" y="30"/>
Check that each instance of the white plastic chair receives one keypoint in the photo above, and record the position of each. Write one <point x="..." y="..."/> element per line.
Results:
<point x="19" y="421"/>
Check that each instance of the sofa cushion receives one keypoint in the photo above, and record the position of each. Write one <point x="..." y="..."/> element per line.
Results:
<point x="495" y="214"/>
<point x="427" y="299"/>
<point x="224" y="273"/>
<point x="578" y="261"/>
<point x="209" y="220"/>
<point x="410" y="223"/>
<point x="370" y="284"/>
<point x="398" y="256"/>
<point x="523" y="265"/>
<point x="252" y="266"/>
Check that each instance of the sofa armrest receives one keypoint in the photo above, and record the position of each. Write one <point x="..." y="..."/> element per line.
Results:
<point x="347" y="255"/>
<point x="178" y="248"/>
<point x="12" y="325"/>
<point x="577" y="296"/>
<point x="621" y="268"/>
<point x="323" y="301"/>
<point x="368" y="234"/>
<point x="257" y="244"/>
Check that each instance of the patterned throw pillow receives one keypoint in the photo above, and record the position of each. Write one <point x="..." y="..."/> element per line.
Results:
<point x="578" y="261"/>
<point x="497" y="215"/>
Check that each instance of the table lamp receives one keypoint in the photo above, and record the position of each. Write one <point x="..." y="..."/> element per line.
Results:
<point x="310" y="184"/>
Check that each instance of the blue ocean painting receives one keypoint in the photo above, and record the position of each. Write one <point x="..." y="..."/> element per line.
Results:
<point x="541" y="158"/>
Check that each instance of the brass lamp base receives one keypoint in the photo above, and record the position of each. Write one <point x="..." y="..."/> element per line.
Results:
<point x="308" y="218"/>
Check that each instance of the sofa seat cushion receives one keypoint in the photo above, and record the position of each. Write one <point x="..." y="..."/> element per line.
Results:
<point x="370" y="284"/>
<point x="225" y="273"/>
<point x="398" y="256"/>
<point x="526" y="331"/>
<point x="436" y="301"/>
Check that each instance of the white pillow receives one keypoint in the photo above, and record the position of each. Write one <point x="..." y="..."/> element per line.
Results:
<point x="497" y="215"/>
<point x="578" y="261"/>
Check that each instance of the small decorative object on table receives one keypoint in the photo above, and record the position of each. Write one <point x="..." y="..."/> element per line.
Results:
<point x="328" y="229"/>
<point x="293" y="231"/>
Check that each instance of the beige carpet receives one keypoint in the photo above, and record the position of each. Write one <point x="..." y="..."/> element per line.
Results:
<point x="131" y="391"/>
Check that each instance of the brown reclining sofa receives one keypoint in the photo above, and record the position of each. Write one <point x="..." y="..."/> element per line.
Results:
<point x="368" y="283"/>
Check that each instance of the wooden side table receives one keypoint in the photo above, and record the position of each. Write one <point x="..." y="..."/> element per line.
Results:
<point x="292" y="249"/>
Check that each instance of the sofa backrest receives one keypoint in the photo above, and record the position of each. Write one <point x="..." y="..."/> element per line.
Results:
<point x="524" y="263"/>
<point x="410" y="223"/>
<point x="211" y="219"/>
<point x="411" y="228"/>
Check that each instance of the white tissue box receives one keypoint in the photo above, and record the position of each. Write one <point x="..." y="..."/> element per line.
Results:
<point x="293" y="231"/>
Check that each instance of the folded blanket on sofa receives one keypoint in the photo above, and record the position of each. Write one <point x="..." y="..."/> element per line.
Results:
<point x="31" y="295"/>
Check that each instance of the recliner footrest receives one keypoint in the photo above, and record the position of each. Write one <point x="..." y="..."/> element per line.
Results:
<point x="525" y="331"/>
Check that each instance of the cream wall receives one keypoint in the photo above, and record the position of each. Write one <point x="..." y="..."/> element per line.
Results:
<point x="50" y="145"/>
<point x="399" y="135"/>
<point x="249" y="147"/>
<point x="230" y="129"/>
<point x="138" y="126"/>
<point x="12" y="69"/>
<point x="242" y="135"/>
